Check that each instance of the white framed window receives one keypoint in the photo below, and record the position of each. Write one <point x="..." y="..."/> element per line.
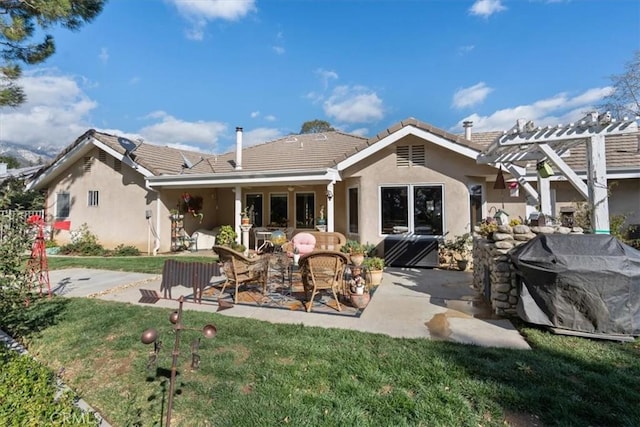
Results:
<point x="63" y="203"/>
<point x="412" y="209"/>
<point x="92" y="198"/>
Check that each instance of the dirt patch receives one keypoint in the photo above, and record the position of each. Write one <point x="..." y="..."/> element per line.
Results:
<point x="521" y="419"/>
<point x="241" y="353"/>
<point x="247" y="388"/>
<point x="386" y="389"/>
<point x="439" y="327"/>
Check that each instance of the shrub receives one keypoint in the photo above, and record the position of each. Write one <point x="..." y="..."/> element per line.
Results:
<point x="352" y="247"/>
<point x="29" y="392"/>
<point x="83" y="242"/>
<point x="122" y="250"/>
<point x="374" y="263"/>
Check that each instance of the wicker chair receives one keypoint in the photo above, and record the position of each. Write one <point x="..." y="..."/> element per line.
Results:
<point x="322" y="270"/>
<point x="240" y="270"/>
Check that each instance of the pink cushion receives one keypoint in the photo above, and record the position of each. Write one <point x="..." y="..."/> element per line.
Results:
<point x="305" y="242"/>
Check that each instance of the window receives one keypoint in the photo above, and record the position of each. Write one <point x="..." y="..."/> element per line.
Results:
<point x="92" y="199"/>
<point x="353" y="210"/>
<point x="415" y="209"/>
<point x="278" y="210"/>
<point x="254" y="203"/>
<point x="410" y="156"/>
<point x="305" y="210"/>
<point x="62" y="205"/>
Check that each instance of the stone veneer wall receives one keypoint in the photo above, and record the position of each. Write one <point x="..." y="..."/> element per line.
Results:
<point x="493" y="272"/>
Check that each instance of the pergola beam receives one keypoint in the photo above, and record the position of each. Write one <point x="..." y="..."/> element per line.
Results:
<point x="573" y="177"/>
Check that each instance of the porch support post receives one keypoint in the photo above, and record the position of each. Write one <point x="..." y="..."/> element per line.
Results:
<point x="236" y="212"/>
<point x="330" y="210"/>
<point x="544" y="189"/>
<point x="597" y="180"/>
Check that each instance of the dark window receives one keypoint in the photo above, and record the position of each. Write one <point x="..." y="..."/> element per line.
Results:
<point x="62" y="205"/>
<point x="425" y="204"/>
<point x="255" y="206"/>
<point x="278" y="208"/>
<point x="353" y="210"/>
<point x="305" y="210"/>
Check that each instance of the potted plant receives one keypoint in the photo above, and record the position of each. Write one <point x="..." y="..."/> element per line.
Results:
<point x="175" y="214"/>
<point x="355" y="250"/>
<point x="226" y="236"/>
<point x="358" y="293"/>
<point x="244" y="216"/>
<point x="375" y="265"/>
<point x="459" y="249"/>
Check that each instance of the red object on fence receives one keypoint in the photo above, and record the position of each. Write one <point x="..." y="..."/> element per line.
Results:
<point x="62" y="225"/>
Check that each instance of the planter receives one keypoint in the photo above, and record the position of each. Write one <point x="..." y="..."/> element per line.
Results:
<point x="360" y="301"/>
<point x="244" y="220"/>
<point x="357" y="259"/>
<point x="376" y="277"/>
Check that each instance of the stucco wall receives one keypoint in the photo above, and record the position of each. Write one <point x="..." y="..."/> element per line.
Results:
<point x="119" y="217"/>
<point x="443" y="167"/>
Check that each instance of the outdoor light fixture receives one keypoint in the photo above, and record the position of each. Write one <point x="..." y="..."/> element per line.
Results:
<point x="499" y="184"/>
<point x="151" y="336"/>
<point x="329" y="194"/>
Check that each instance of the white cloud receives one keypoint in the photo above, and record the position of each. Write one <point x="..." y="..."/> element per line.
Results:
<point x="278" y="49"/>
<point x="134" y="80"/>
<point x="326" y="76"/>
<point x="470" y="96"/>
<point x="260" y="135"/>
<point x="200" y="12"/>
<point x="255" y="114"/>
<point x="353" y="104"/>
<point x="558" y="109"/>
<point x="360" y="132"/>
<point x="172" y="131"/>
<point x="270" y="118"/>
<point x="104" y="55"/>
<point x="57" y="110"/>
<point x="486" y="8"/>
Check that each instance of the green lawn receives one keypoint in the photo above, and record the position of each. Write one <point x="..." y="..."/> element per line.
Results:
<point x="135" y="264"/>
<point x="259" y="373"/>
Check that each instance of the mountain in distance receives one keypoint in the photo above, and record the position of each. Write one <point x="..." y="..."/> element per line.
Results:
<point x="28" y="155"/>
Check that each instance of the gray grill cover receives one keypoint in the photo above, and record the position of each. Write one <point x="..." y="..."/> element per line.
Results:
<point x="588" y="283"/>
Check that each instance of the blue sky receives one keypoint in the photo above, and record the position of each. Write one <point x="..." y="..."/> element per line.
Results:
<point x="185" y="73"/>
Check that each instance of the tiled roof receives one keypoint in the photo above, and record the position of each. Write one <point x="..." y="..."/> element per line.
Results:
<point x="326" y="150"/>
<point x="622" y="151"/>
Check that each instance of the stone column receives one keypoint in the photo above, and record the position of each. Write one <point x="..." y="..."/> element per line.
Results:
<point x="245" y="237"/>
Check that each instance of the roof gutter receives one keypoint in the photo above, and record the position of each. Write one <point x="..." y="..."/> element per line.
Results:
<point x="244" y="178"/>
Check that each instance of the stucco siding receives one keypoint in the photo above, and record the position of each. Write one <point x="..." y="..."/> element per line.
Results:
<point x="119" y="217"/>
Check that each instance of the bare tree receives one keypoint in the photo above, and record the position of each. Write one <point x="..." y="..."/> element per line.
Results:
<point x="624" y="100"/>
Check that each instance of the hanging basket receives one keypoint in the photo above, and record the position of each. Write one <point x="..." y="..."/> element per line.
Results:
<point x="544" y="169"/>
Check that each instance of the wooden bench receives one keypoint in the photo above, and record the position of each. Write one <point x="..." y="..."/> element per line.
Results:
<point x="196" y="275"/>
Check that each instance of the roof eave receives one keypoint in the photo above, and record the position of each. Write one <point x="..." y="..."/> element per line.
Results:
<point x="245" y="178"/>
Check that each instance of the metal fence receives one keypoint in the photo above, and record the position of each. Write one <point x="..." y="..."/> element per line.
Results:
<point x="9" y="219"/>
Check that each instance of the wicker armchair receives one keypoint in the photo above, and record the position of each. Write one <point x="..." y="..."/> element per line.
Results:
<point x="241" y="270"/>
<point x="322" y="270"/>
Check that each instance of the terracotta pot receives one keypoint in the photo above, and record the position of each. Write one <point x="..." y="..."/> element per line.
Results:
<point x="357" y="259"/>
<point x="360" y="301"/>
<point x="244" y="220"/>
<point x="376" y="277"/>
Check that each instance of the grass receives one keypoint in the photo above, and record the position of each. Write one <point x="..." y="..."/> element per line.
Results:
<point x="134" y="264"/>
<point x="259" y="373"/>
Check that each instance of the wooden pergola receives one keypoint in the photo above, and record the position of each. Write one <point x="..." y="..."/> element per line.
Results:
<point x="526" y="142"/>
